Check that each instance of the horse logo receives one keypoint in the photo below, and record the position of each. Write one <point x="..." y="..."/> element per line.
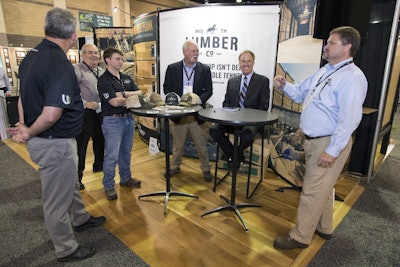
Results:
<point x="212" y="29"/>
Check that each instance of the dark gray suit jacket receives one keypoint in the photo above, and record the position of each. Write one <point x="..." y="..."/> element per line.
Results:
<point x="257" y="95"/>
<point x="202" y="84"/>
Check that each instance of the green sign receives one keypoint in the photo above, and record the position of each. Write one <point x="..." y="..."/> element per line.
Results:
<point x="88" y="20"/>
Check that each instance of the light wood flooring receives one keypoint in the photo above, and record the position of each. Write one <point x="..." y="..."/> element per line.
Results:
<point x="183" y="237"/>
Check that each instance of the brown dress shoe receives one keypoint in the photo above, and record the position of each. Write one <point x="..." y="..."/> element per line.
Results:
<point x="287" y="243"/>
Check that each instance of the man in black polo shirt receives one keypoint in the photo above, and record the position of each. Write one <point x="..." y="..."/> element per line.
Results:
<point x="50" y="117"/>
<point x="118" y="124"/>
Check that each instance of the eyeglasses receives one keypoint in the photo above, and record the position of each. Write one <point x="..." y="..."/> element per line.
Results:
<point x="92" y="52"/>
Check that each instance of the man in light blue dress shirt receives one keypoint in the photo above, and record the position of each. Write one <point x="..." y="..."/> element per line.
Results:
<point x="332" y="109"/>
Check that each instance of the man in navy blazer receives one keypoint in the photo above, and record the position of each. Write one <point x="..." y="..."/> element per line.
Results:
<point x="189" y="76"/>
<point x="256" y="97"/>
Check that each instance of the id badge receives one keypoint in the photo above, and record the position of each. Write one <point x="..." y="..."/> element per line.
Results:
<point x="187" y="89"/>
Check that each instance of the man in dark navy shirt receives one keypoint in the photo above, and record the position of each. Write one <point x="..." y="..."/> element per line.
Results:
<point x="50" y="117"/>
<point x="118" y="124"/>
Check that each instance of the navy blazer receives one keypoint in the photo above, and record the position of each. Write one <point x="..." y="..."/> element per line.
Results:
<point x="202" y="84"/>
<point x="257" y="95"/>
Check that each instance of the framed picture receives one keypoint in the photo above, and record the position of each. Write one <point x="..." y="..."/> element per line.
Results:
<point x="117" y="37"/>
<point x="20" y="54"/>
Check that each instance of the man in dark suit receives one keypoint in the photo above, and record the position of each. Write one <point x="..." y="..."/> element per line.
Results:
<point x="248" y="90"/>
<point x="189" y="76"/>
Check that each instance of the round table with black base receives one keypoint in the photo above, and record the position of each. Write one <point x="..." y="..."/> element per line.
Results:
<point x="166" y="115"/>
<point x="237" y="118"/>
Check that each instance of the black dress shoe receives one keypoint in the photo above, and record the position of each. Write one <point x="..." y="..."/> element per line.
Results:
<point x="242" y="158"/>
<point x="207" y="176"/>
<point x="92" y="222"/>
<point x="98" y="169"/>
<point x="172" y="172"/>
<point x="323" y="236"/>
<point x="225" y="157"/>
<point x="80" y="253"/>
<point x="287" y="243"/>
<point x="81" y="186"/>
<point x="239" y="161"/>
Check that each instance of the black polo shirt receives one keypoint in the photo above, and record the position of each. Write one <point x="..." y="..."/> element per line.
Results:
<point x="47" y="78"/>
<point x="108" y="85"/>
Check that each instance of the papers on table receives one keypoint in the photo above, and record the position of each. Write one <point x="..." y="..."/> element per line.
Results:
<point x="168" y="108"/>
<point x="230" y="109"/>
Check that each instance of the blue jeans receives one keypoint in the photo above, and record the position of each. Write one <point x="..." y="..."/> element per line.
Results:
<point x="118" y="135"/>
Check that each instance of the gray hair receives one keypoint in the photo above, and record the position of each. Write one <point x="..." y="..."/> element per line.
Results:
<point x="187" y="42"/>
<point x="87" y="45"/>
<point x="60" y="23"/>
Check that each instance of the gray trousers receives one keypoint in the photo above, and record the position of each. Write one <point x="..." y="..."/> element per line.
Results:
<point x="315" y="210"/>
<point x="62" y="203"/>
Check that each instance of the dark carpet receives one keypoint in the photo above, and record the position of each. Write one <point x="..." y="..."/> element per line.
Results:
<point x="24" y="239"/>
<point x="369" y="234"/>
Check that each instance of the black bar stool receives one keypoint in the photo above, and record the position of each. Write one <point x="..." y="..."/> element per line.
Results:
<point x="250" y="162"/>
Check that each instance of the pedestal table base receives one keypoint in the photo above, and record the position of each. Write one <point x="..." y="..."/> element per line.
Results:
<point x="233" y="207"/>
<point x="167" y="196"/>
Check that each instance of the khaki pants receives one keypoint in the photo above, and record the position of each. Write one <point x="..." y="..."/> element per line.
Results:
<point x="179" y="132"/>
<point x="315" y="210"/>
<point x="62" y="203"/>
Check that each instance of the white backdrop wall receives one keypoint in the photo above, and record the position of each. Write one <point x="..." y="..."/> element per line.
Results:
<point x="222" y="33"/>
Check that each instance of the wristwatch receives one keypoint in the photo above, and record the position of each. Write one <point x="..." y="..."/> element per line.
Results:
<point x="123" y="94"/>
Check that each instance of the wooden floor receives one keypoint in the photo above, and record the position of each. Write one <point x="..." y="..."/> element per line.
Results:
<point x="183" y="237"/>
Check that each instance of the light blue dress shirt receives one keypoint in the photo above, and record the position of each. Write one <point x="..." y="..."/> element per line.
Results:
<point x="188" y="74"/>
<point x="335" y="106"/>
<point x="248" y="78"/>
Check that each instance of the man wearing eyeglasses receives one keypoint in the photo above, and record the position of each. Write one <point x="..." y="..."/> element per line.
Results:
<point x="87" y="73"/>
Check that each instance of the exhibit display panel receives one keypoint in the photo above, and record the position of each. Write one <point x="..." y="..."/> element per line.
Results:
<point x="222" y="33"/>
<point x="158" y="38"/>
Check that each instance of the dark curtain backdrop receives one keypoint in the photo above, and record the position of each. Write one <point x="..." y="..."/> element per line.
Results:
<point x="371" y="58"/>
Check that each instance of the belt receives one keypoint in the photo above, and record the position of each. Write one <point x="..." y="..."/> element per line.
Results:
<point x="45" y="136"/>
<point x="312" y="138"/>
<point x="122" y="115"/>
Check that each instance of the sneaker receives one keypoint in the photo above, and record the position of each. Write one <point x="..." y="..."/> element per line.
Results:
<point x="111" y="194"/>
<point x="92" y="222"/>
<point x="81" y="186"/>
<point x="172" y="172"/>
<point x="207" y="176"/>
<point x="287" y="243"/>
<point x="131" y="183"/>
<point x="80" y="253"/>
